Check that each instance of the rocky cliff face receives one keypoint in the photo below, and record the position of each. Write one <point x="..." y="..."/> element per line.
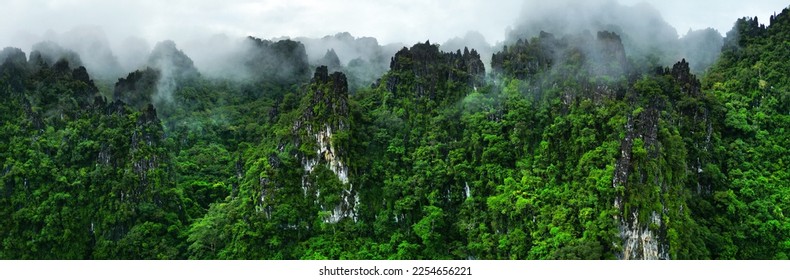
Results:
<point x="324" y="117"/>
<point x="656" y="170"/>
<point x="641" y="239"/>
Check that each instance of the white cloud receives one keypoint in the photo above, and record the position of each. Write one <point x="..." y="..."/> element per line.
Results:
<point x="718" y="14"/>
<point x="406" y="21"/>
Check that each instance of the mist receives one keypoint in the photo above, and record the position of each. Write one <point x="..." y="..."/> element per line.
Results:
<point x="647" y="37"/>
<point x="48" y="53"/>
<point x="219" y="56"/>
<point x="113" y="40"/>
<point x="363" y="59"/>
<point x="173" y="66"/>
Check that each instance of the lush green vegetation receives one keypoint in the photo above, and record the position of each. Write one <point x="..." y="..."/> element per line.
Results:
<point x="566" y="149"/>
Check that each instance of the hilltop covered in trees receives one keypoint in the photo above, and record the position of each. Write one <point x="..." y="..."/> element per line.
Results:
<point x="568" y="146"/>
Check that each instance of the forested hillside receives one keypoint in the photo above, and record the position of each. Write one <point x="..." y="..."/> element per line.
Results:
<point x="565" y="146"/>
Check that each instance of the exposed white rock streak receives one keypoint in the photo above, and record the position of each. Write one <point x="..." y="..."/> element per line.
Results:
<point x="327" y="152"/>
<point x="640" y="242"/>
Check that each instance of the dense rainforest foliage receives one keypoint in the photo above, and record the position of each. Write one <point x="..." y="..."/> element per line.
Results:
<point x="566" y="148"/>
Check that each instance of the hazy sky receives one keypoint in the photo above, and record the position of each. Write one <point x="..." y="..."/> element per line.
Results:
<point x="25" y="22"/>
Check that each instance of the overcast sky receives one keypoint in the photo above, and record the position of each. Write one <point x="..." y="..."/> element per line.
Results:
<point x="24" y="22"/>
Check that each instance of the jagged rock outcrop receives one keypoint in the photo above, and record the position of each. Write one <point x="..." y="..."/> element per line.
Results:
<point x="641" y="239"/>
<point x="642" y="27"/>
<point x="145" y="138"/>
<point x="603" y="55"/>
<point x="13" y="56"/>
<point x="432" y="70"/>
<point x="525" y="59"/>
<point x="60" y="119"/>
<point x="319" y="134"/>
<point x="332" y="92"/>
<point x="17" y="73"/>
<point x="331" y="61"/>
<point x="474" y="66"/>
<point x="49" y="53"/>
<point x="610" y="59"/>
<point x="471" y="40"/>
<point x="64" y="62"/>
<point x="13" y="65"/>
<point x="650" y="202"/>
<point x="681" y="73"/>
<point x="648" y="191"/>
<point x="138" y="88"/>
<point x="744" y="31"/>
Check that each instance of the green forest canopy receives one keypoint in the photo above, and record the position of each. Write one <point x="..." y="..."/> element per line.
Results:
<point x="567" y="148"/>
